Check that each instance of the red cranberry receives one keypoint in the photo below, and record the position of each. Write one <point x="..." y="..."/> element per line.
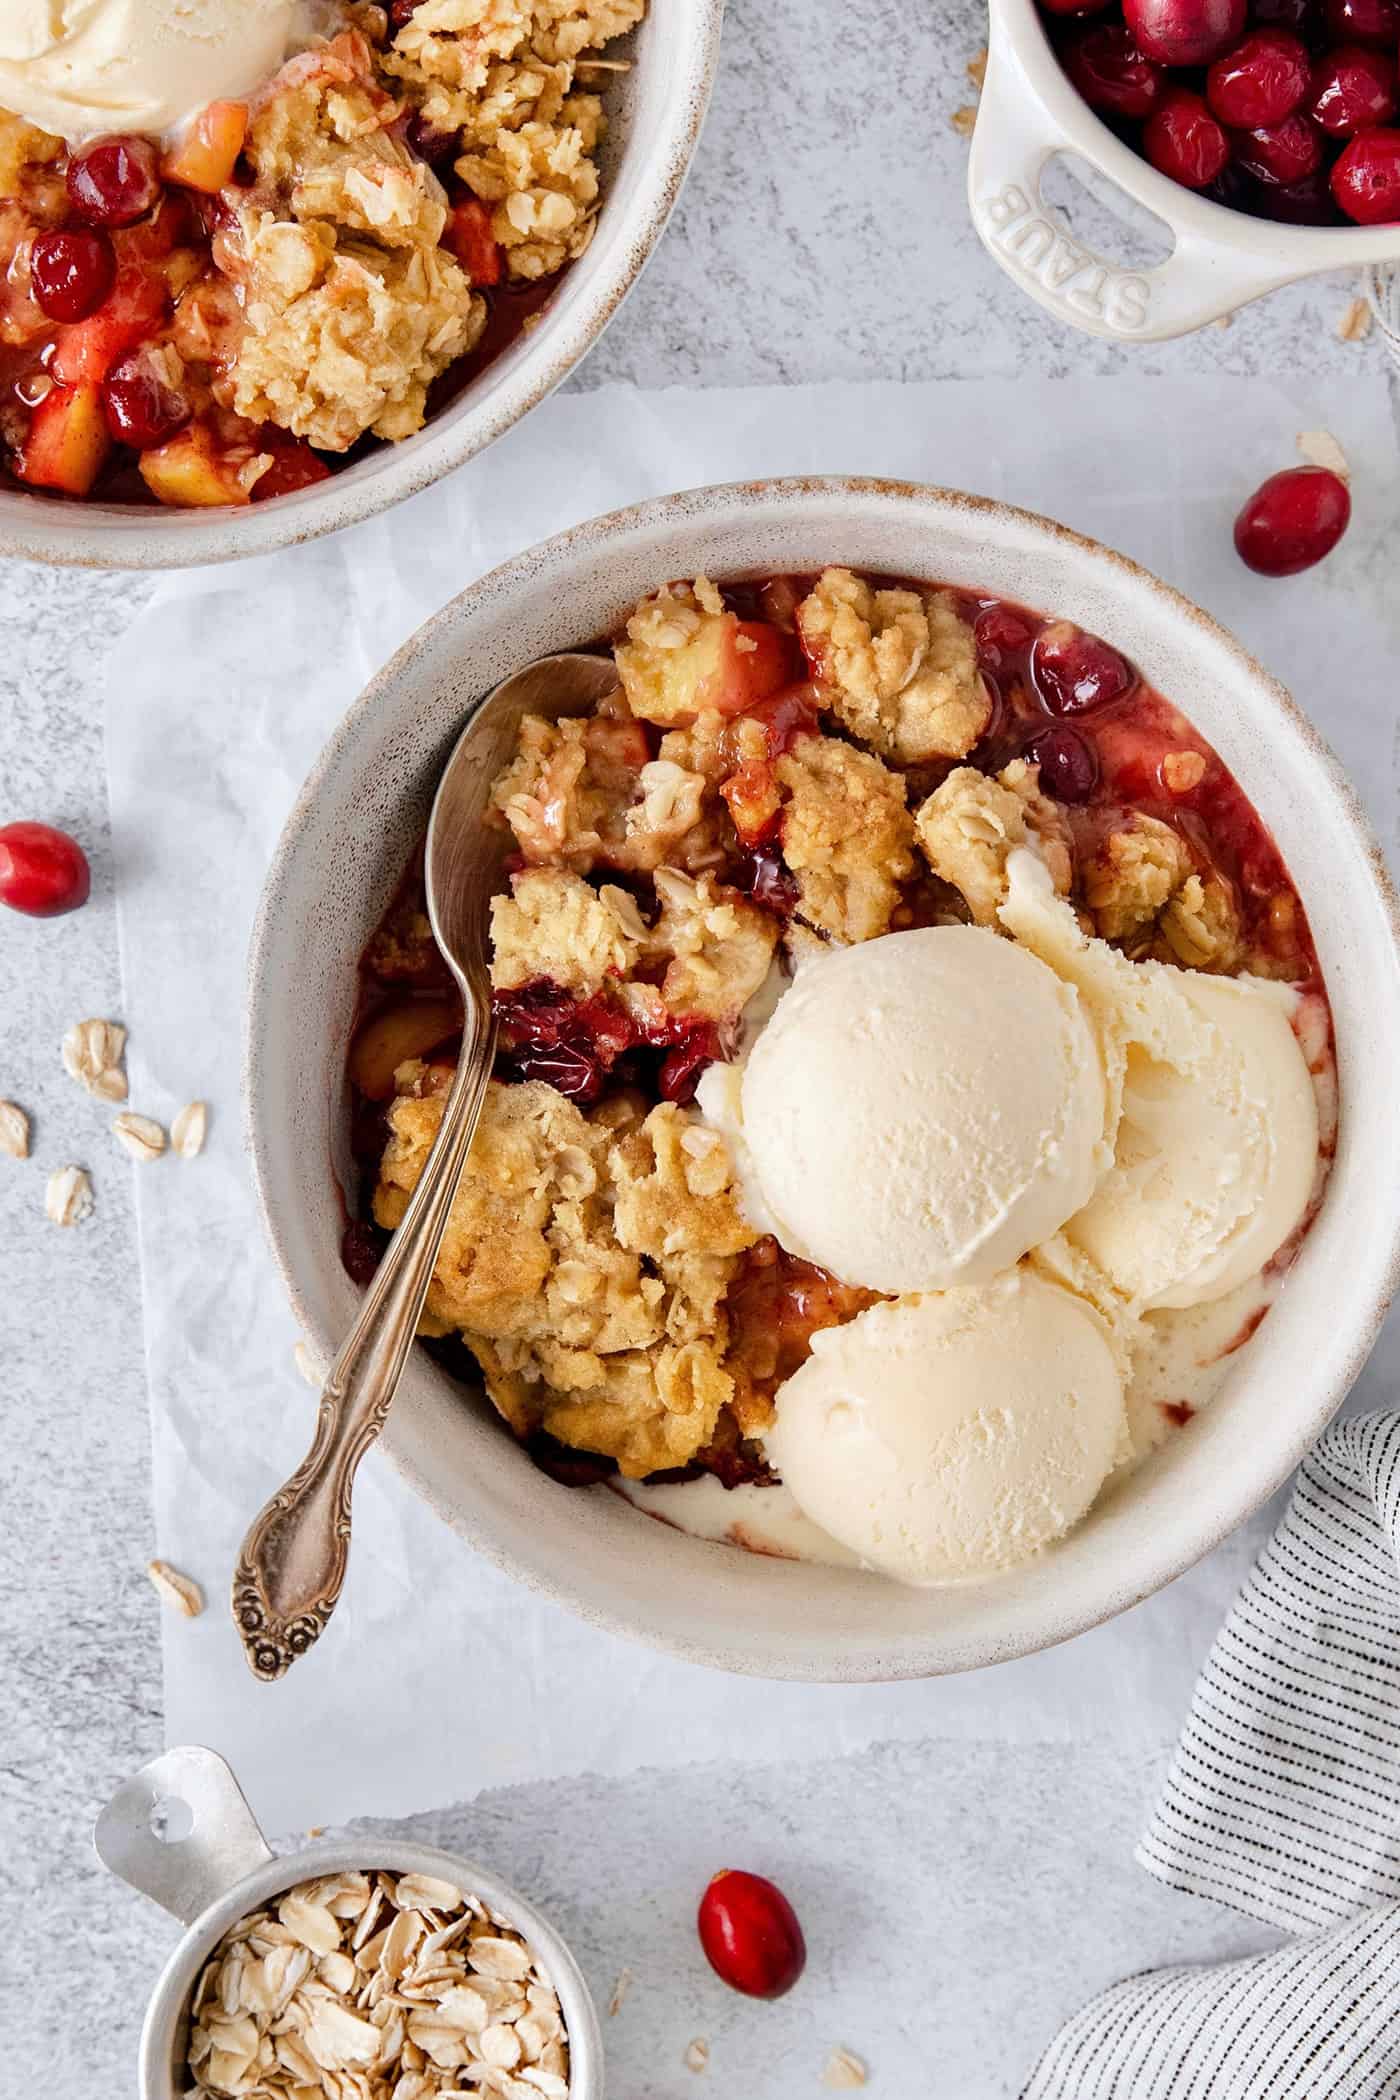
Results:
<point x="1003" y="637"/>
<point x="1182" y="139"/>
<point x="681" y="1068"/>
<point x="43" y="872"/>
<point x="430" y="143"/>
<point x="361" y="1251"/>
<point x="1261" y="81"/>
<point x="750" y="1935"/>
<point x="1294" y="520"/>
<point x="1351" y="90"/>
<point x="1075" y="672"/>
<point x="765" y="877"/>
<point x="1185" y="32"/>
<point x="567" y="1067"/>
<point x="72" y="271"/>
<point x="142" y="403"/>
<point x="1069" y="766"/>
<point x="1280" y="153"/>
<point x="1366" y="179"/>
<point x="114" y="181"/>
<point x="1375" y="22"/>
<point x="1112" y="75"/>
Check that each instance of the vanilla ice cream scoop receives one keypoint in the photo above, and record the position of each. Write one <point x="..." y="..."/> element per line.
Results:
<point x="946" y="1437"/>
<point x="919" y="1111"/>
<point x="83" y="67"/>
<point x="1216" y="1151"/>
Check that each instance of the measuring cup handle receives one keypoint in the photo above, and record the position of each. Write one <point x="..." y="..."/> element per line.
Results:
<point x="184" y="1875"/>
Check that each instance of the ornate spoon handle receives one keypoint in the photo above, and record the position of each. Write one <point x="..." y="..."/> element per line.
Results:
<point x="293" y="1562"/>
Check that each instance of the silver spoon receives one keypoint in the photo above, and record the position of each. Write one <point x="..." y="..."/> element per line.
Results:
<point x="292" y="1565"/>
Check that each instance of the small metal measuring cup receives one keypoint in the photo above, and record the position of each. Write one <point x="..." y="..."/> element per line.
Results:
<point x="181" y="1833"/>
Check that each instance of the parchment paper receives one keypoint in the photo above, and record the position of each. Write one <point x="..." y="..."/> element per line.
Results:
<point x="438" y="1676"/>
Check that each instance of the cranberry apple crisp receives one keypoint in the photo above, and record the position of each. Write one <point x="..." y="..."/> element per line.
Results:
<point x="788" y="768"/>
<point x="225" y="315"/>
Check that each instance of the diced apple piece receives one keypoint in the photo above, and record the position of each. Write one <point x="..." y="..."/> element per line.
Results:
<point x="206" y="156"/>
<point x="468" y="235"/>
<point x="395" y="1035"/>
<point x="190" y="469"/>
<point x="67" y="441"/>
<point x="728" y="664"/>
<point x="85" y="351"/>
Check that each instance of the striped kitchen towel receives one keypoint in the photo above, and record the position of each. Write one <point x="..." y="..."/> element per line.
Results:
<point x="1283" y="1801"/>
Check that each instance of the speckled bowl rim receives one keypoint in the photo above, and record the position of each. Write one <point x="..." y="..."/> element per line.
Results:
<point x="711" y="508"/>
<point x="129" y="536"/>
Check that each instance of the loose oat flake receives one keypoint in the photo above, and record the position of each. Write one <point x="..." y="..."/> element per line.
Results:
<point x="697" y="2055"/>
<point x="187" y="1130"/>
<point x="139" y="1136"/>
<point x="14" y="1131"/>
<point x="179" y="1591"/>
<point x="843" y="2071"/>
<point x="977" y="69"/>
<point x="1320" y="449"/>
<point x="964" y="120"/>
<point x="619" y="1992"/>
<point x="1355" y="324"/>
<point x="92" y="1054"/>
<point x="68" y="1196"/>
<point x="371" y="1986"/>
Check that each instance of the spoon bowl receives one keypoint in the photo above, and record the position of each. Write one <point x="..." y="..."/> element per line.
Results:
<point x="292" y="1565"/>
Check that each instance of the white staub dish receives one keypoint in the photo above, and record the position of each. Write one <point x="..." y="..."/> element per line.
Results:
<point x="655" y="112"/>
<point x="1028" y="113"/>
<point x="340" y="855"/>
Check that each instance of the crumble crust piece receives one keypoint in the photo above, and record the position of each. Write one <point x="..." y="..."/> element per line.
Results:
<point x="585" y="1263"/>
<point x="586" y="793"/>
<point x="898" y="668"/>
<point x="1144" y="890"/>
<point x="846" y="836"/>
<point x="555" y="925"/>
<point x="718" y="946"/>
<point x="970" y="825"/>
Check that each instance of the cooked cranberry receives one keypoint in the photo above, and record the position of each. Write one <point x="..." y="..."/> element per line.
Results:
<point x="361" y="1251"/>
<point x="429" y="143"/>
<point x="1002" y="635"/>
<point x="1305" y="16"/>
<point x="1374" y="22"/>
<point x="1351" y="90"/>
<point x="1185" y="32"/>
<point x="750" y="1935"/>
<point x="294" y="466"/>
<point x="114" y="181"/>
<point x="681" y="1068"/>
<point x="1307" y="202"/>
<point x="534" y="1013"/>
<point x="401" y="10"/>
<point x="73" y="270"/>
<point x="765" y="877"/>
<point x="1366" y="179"/>
<point x="568" y="1067"/>
<point x="1261" y="81"/>
<point x="1232" y="188"/>
<point x="1280" y="153"/>
<point x="1069" y="766"/>
<point x="143" y="399"/>
<point x="43" y="872"/>
<point x="1294" y="520"/>
<point x="1113" y="76"/>
<point x="1182" y="139"/>
<point x="1075" y="672"/>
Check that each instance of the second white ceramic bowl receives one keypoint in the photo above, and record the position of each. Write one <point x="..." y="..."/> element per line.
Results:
<point x="358" y="818"/>
<point x="656" y="111"/>
<point x="1028" y="113"/>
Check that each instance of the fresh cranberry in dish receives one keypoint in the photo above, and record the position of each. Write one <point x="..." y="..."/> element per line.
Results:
<point x="1293" y="521"/>
<point x="1111" y="73"/>
<point x="1375" y="22"/>
<point x="1183" y="140"/>
<point x="1352" y="90"/>
<point x="750" y="1934"/>
<point x="143" y="403"/>
<point x="1075" y="672"/>
<point x="1185" y="32"/>
<point x="1069" y="767"/>
<point x="1366" y="179"/>
<point x="72" y="270"/>
<point x="43" y="872"/>
<point x="114" y="181"/>
<point x="1262" y="81"/>
<point x="1280" y="153"/>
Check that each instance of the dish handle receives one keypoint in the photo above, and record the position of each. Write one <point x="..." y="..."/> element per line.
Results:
<point x="1018" y="133"/>
<point x="180" y="1832"/>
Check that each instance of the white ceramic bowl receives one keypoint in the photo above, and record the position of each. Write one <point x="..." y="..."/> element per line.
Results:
<point x="359" y="816"/>
<point x="1030" y="111"/>
<point x="655" y="114"/>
